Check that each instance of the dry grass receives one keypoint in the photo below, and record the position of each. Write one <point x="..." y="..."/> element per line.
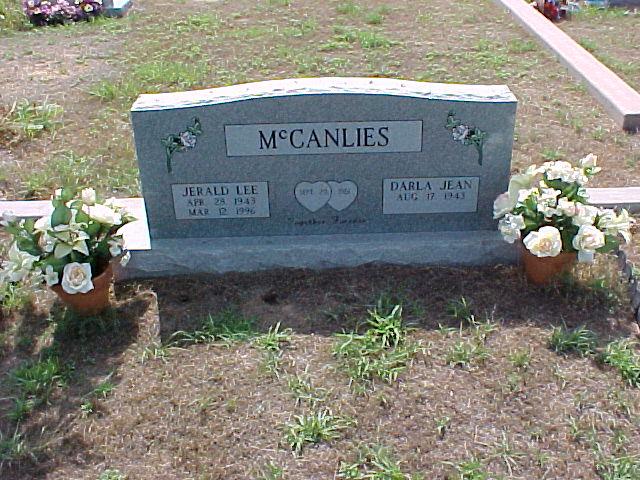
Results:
<point x="612" y="36"/>
<point x="104" y="65"/>
<point x="216" y="410"/>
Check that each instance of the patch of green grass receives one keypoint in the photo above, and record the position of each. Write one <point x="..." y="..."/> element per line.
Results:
<point x="300" y="28"/>
<point x="226" y="327"/>
<point x="321" y="426"/>
<point x="21" y="409"/>
<point x="373" y="463"/>
<point x="162" y="75"/>
<point x="69" y="169"/>
<point x="380" y="352"/>
<point x="471" y="469"/>
<point x="464" y="353"/>
<point x="520" y="359"/>
<point x="13" y="448"/>
<point x="11" y="17"/>
<point x="376" y="16"/>
<point x="599" y="133"/>
<point x="552" y="155"/>
<point x="207" y="23"/>
<point x="578" y="340"/>
<point x="461" y="310"/>
<point x="104" y="389"/>
<point x="14" y="296"/>
<point x="371" y="39"/>
<point x="274" y="339"/>
<point x="112" y="474"/>
<point x="588" y="44"/>
<point x="280" y="3"/>
<point x="32" y="118"/>
<point x="271" y="472"/>
<point x="595" y="13"/>
<point x="37" y="380"/>
<point x="619" y="468"/>
<point x="348" y="7"/>
<point x="304" y="391"/>
<point x="368" y="39"/>
<point x="87" y="408"/>
<point x="107" y="90"/>
<point x="623" y="355"/>
<point x="518" y="45"/>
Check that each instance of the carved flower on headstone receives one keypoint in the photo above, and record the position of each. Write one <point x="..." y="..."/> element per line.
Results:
<point x="181" y="142"/>
<point x="466" y="134"/>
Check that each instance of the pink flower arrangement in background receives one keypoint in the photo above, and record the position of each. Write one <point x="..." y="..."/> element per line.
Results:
<point x="57" y="12"/>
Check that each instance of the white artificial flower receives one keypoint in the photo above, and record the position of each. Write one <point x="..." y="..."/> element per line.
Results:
<point x="613" y="224"/>
<point x="43" y="224"/>
<point x="587" y="241"/>
<point x="589" y="161"/>
<point x="559" y="170"/>
<point x="585" y="214"/>
<point x="50" y="276"/>
<point x="125" y="259"/>
<point x="547" y="201"/>
<point x="88" y="196"/>
<point x="526" y="193"/>
<point x="549" y="195"/>
<point x="76" y="278"/>
<point x="510" y="227"/>
<point x="19" y="264"/>
<point x="503" y="204"/>
<point x="519" y="182"/>
<point x="567" y="207"/>
<point x="7" y="218"/>
<point x="68" y="238"/>
<point x="104" y="215"/>
<point x="546" y="242"/>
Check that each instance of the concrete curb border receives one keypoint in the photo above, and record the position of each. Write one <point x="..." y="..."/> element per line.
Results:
<point x="619" y="99"/>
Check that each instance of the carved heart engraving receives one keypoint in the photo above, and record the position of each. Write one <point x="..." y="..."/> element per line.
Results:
<point x="343" y="194"/>
<point x="313" y="196"/>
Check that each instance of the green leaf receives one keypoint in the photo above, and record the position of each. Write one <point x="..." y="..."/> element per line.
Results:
<point x="28" y="245"/>
<point x="29" y="225"/>
<point x="82" y="217"/>
<point x="67" y="194"/>
<point x="61" y="215"/>
<point x="571" y="191"/>
<point x="93" y="228"/>
<point x="611" y="243"/>
<point x="57" y="263"/>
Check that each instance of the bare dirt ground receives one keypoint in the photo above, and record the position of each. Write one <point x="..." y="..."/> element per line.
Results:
<point x="219" y="411"/>
<point x="215" y="411"/>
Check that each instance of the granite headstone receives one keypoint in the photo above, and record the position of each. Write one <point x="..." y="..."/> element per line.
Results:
<point x="323" y="172"/>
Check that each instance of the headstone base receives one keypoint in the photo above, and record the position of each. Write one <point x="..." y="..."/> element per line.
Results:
<point x="186" y="256"/>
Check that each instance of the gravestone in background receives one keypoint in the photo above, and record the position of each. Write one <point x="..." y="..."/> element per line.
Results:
<point x="323" y="172"/>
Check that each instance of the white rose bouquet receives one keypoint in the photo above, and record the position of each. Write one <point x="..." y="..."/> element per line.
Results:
<point x="70" y="247"/>
<point x="547" y="208"/>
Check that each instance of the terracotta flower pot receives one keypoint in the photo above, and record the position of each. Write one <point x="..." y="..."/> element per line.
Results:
<point x="94" y="301"/>
<point x="542" y="270"/>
